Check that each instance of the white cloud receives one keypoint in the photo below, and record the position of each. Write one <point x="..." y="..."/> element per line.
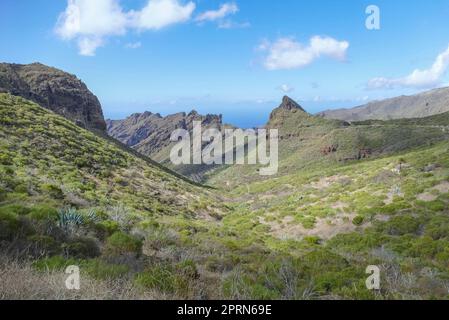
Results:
<point x="133" y="45"/>
<point x="418" y="78"/>
<point x="87" y="46"/>
<point x="158" y="14"/>
<point x="286" y="88"/>
<point x="91" y="22"/>
<point x="286" y="53"/>
<point x="213" y="15"/>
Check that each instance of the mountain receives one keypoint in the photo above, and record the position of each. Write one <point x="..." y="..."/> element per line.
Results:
<point x="55" y="90"/>
<point x="150" y="133"/>
<point x="308" y="142"/>
<point x="416" y="106"/>
<point x="69" y="196"/>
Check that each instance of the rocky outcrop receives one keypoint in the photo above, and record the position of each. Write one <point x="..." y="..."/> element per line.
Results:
<point x="149" y="133"/>
<point x="55" y="90"/>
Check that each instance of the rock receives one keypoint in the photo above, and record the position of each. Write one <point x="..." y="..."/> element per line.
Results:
<point x="430" y="167"/>
<point x="55" y="90"/>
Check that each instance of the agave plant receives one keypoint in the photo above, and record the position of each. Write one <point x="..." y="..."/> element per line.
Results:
<point x="91" y="216"/>
<point x="69" y="219"/>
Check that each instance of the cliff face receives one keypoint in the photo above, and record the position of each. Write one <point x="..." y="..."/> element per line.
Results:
<point x="55" y="90"/>
<point x="150" y="133"/>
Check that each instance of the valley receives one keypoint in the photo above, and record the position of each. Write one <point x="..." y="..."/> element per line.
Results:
<point x="348" y="194"/>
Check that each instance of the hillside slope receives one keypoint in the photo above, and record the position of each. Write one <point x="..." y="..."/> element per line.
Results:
<point x="55" y="90"/>
<point x="416" y="106"/>
<point x="309" y="142"/>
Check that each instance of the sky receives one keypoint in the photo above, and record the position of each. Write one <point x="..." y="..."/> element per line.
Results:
<point x="236" y="58"/>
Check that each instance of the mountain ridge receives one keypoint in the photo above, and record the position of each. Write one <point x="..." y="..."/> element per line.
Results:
<point x="419" y="105"/>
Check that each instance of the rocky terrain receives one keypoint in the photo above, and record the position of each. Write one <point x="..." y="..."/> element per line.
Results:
<point x="55" y="90"/>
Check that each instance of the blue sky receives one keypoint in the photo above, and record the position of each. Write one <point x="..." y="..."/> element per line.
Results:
<point x="238" y="57"/>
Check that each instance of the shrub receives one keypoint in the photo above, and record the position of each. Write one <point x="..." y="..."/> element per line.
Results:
<point x="358" y="220"/>
<point x="122" y="243"/>
<point x="187" y="269"/>
<point x="400" y="225"/>
<point x="158" y="277"/>
<point x="107" y="227"/>
<point x="9" y="225"/>
<point x="69" y="220"/>
<point x="312" y="240"/>
<point x="43" y="212"/>
<point x="15" y="209"/>
<point x="53" y="190"/>
<point x="105" y="271"/>
<point x="53" y="263"/>
<point x="42" y="244"/>
<point x="83" y="247"/>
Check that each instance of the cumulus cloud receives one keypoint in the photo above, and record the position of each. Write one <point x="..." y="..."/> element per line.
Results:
<point x="213" y="15"/>
<point x="158" y="14"/>
<point x="287" y="53"/>
<point x="91" y="22"/>
<point x="418" y="78"/>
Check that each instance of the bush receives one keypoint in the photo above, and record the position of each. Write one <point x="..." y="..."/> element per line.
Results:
<point x="53" y="263"/>
<point x="121" y="243"/>
<point x="358" y="220"/>
<point x="401" y="225"/>
<point x="15" y="209"/>
<point x="43" y="212"/>
<point x="9" y="225"/>
<point x="107" y="228"/>
<point x="159" y="277"/>
<point x="83" y="247"/>
<point x="187" y="269"/>
<point x="105" y="271"/>
<point x="54" y="191"/>
<point x="42" y="244"/>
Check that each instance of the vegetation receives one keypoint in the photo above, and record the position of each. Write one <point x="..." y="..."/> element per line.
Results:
<point x="69" y="197"/>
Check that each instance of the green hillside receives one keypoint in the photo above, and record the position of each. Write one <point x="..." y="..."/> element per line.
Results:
<point x="308" y="142"/>
<point x="70" y="197"/>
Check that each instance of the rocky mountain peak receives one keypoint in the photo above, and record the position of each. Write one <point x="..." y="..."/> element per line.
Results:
<point x="289" y="104"/>
<point x="55" y="90"/>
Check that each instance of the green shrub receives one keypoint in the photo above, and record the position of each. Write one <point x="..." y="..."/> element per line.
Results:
<point x="105" y="271"/>
<point x="9" y="225"/>
<point x="53" y="263"/>
<point x="15" y="209"/>
<point x="314" y="240"/>
<point x="122" y="243"/>
<point x="107" y="227"/>
<point x="358" y="220"/>
<point x="158" y="277"/>
<point x="43" y="212"/>
<point x="42" y="244"/>
<point x="400" y="225"/>
<point x="53" y="190"/>
<point x="187" y="269"/>
<point x="83" y="247"/>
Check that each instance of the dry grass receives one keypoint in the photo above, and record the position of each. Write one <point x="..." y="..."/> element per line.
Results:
<point x="19" y="281"/>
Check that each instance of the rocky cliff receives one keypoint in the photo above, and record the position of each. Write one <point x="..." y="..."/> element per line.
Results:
<point x="55" y="90"/>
